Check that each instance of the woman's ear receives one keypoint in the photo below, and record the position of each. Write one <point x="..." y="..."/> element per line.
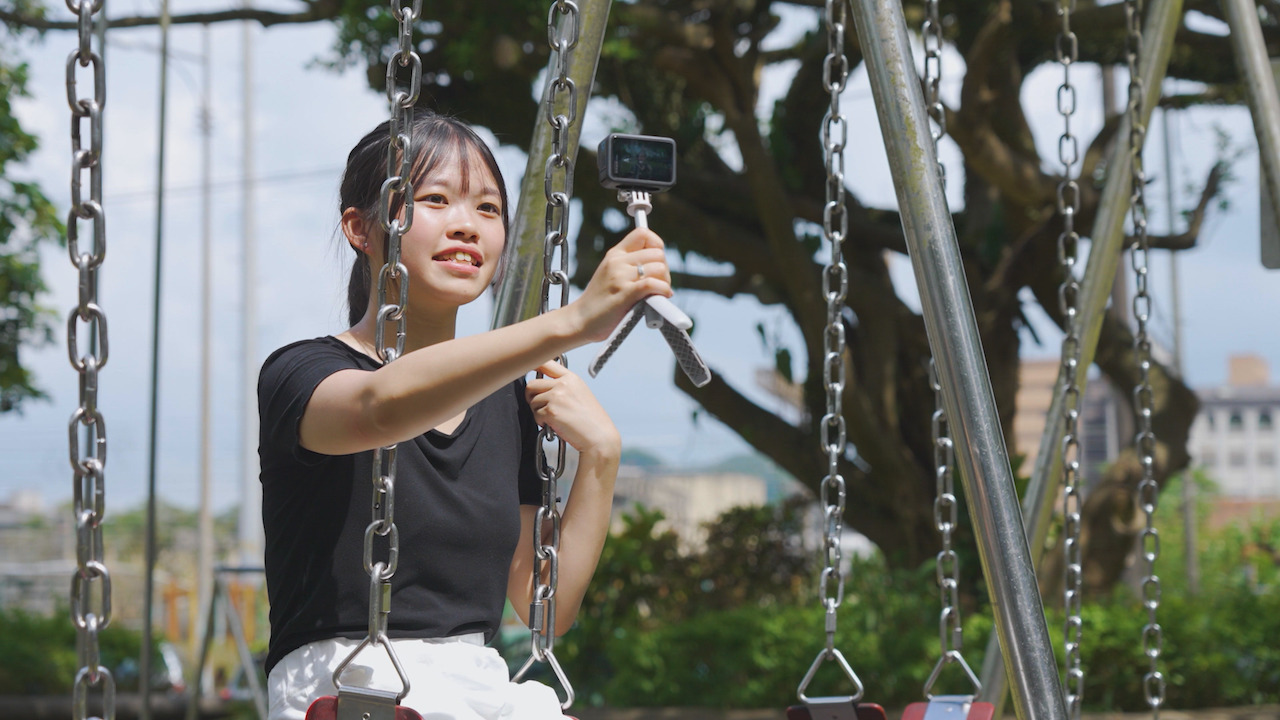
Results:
<point x="356" y="230"/>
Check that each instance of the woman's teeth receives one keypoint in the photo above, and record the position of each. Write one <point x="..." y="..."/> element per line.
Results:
<point x="459" y="256"/>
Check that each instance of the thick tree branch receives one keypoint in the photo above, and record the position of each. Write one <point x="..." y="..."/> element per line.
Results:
<point x="266" y="18"/>
<point x="990" y="127"/>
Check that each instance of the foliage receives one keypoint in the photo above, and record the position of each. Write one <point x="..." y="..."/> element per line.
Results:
<point x="38" y="656"/>
<point x="645" y="581"/>
<point x="27" y="219"/>
<point x="753" y="657"/>
<point x="654" y="632"/>
<point x="125" y="530"/>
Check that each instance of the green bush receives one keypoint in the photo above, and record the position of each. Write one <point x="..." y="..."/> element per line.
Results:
<point x="665" y="628"/>
<point x="755" y="656"/>
<point x="38" y="654"/>
<point x="1219" y="649"/>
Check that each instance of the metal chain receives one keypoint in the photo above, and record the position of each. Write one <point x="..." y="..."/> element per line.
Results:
<point x="931" y="33"/>
<point x="396" y="194"/>
<point x="947" y="564"/>
<point x="561" y="104"/>
<point x="1153" y="683"/>
<point x="91" y="584"/>
<point x="1068" y="52"/>
<point x="945" y="507"/>
<point x="835" y="286"/>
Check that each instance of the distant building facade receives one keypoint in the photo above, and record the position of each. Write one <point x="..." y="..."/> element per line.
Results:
<point x="1235" y="438"/>
<point x="1105" y="423"/>
<point x="687" y="500"/>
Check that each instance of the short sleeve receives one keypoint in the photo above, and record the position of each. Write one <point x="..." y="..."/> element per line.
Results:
<point x="285" y="385"/>
<point x="530" y="482"/>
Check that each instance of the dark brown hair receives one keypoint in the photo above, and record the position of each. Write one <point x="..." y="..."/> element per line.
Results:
<point x="435" y="139"/>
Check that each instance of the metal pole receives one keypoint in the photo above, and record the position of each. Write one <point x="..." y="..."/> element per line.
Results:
<point x="983" y="459"/>
<point x="250" y="525"/>
<point x="1260" y="88"/>
<point x="1099" y="275"/>
<point x="204" y="570"/>
<point x="520" y="291"/>
<point x="1188" y="482"/>
<point x="144" y="674"/>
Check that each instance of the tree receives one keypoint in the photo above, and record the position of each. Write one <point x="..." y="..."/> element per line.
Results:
<point x="692" y="70"/>
<point x="27" y="219"/>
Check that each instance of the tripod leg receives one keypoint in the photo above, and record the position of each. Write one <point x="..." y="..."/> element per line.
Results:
<point x="615" y="340"/>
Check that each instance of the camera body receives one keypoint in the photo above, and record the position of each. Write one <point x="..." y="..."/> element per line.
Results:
<point x="637" y="162"/>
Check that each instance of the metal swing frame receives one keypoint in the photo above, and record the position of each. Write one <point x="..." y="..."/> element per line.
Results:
<point x="1099" y="276"/>
<point x="952" y="329"/>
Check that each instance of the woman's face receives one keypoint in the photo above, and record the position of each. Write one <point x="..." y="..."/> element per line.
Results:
<point x="452" y="249"/>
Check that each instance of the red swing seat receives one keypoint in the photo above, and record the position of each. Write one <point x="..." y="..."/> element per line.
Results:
<point x="326" y="708"/>
<point x="949" y="707"/>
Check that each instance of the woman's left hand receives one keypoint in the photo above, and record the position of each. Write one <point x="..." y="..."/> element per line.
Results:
<point x="563" y="401"/>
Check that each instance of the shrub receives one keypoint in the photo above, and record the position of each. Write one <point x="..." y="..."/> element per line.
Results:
<point x="38" y="655"/>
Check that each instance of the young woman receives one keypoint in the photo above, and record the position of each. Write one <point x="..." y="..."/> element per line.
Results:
<point x="466" y="490"/>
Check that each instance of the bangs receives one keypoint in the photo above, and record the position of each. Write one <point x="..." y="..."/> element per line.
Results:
<point x="450" y="146"/>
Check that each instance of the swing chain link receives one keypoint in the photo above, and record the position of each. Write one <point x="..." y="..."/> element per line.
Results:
<point x="835" y="285"/>
<point x="1068" y="205"/>
<point x="945" y="519"/>
<point x="561" y="104"/>
<point x="91" y="583"/>
<point x="396" y="205"/>
<point x="945" y="506"/>
<point x="931" y="34"/>
<point x="833" y="431"/>
<point x="1148" y="490"/>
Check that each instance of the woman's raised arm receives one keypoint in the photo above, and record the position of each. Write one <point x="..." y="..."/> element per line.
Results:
<point x="353" y="411"/>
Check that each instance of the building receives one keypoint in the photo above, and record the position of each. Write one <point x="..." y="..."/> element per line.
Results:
<point x="687" y="500"/>
<point x="1235" y="438"/>
<point x="1105" y="421"/>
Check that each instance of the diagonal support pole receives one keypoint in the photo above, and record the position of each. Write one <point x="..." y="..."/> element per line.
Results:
<point x="1264" y="102"/>
<point x="1099" y="276"/>
<point x="981" y="455"/>
<point x="520" y="291"/>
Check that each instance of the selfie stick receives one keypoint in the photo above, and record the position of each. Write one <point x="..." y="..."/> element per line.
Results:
<point x="657" y="311"/>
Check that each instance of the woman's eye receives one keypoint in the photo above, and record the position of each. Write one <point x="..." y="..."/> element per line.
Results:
<point x="490" y="208"/>
<point x="432" y="198"/>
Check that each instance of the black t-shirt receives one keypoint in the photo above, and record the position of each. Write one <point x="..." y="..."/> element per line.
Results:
<point x="457" y="499"/>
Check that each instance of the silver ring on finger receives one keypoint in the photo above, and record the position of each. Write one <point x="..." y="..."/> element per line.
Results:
<point x="639" y="271"/>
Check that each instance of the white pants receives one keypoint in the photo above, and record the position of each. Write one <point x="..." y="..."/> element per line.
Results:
<point x="455" y="678"/>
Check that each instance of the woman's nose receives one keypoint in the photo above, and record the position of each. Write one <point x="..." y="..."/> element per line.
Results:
<point x="462" y="225"/>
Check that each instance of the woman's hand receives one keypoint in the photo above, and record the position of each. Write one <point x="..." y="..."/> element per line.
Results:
<point x="562" y="401"/>
<point x="618" y="283"/>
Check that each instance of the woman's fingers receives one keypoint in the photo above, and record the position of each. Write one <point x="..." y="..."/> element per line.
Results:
<point x="646" y="267"/>
<point x="562" y="401"/>
<point x="640" y="238"/>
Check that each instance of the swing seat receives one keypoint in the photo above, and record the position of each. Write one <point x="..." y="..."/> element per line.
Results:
<point x="848" y="710"/>
<point x="949" y="707"/>
<point x="326" y="708"/>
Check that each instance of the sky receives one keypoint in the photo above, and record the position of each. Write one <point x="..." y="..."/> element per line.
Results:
<point x="308" y="117"/>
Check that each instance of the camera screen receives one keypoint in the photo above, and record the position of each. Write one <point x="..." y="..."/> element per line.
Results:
<point x="643" y="160"/>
